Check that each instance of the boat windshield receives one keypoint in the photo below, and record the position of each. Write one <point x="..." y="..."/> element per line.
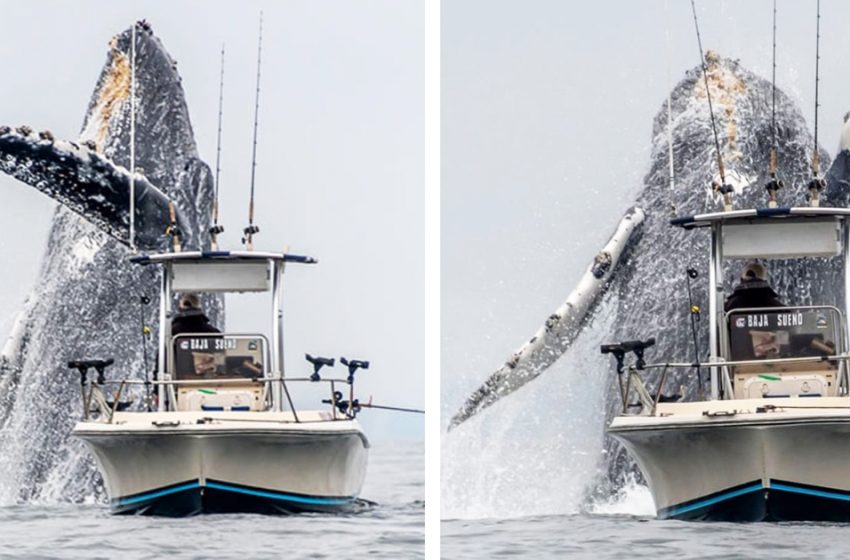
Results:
<point x="783" y="332"/>
<point x="219" y="356"/>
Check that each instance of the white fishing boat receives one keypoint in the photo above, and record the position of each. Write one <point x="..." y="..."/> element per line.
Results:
<point x="222" y="433"/>
<point x="769" y="440"/>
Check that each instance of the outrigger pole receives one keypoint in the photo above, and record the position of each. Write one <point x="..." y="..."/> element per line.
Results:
<point x="249" y="231"/>
<point x="816" y="185"/>
<point x="133" y="138"/>
<point x="722" y="188"/>
<point x="774" y="184"/>
<point x="217" y="229"/>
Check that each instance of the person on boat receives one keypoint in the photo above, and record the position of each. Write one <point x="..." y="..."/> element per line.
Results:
<point x="191" y="318"/>
<point x="753" y="290"/>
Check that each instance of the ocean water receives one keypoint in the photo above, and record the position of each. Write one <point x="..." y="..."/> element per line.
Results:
<point x="627" y="528"/>
<point x="394" y="528"/>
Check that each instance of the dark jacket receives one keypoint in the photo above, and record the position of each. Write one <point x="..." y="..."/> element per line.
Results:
<point x="752" y="293"/>
<point x="191" y="321"/>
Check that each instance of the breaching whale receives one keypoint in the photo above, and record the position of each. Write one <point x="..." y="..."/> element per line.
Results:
<point x="86" y="284"/>
<point x="647" y="286"/>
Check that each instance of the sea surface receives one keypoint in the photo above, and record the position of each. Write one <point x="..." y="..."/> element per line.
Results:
<point x="617" y="534"/>
<point x="394" y="528"/>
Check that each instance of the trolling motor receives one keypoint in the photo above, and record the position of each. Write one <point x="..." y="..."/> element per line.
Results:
<point x="318" y="362"/>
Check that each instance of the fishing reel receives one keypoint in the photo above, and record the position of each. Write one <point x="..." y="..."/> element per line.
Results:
<point x="772" y="187"/>
<point x="725" y="190"/>
<point x="318" y="363"/>
<point x="348" y="408"/>
<point x="620" y="349"/>
<point x="815" y="187"/>
<point x="249" y="233"/>
<point x="175" y="235"/>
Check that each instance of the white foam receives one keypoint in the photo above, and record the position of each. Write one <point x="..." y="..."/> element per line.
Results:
<point x="632" y="499"/>
<point x="844" y="143"/>
<point x="536" y="452"/>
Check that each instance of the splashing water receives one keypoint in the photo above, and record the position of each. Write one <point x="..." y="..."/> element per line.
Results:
<point x="535" y="453"/>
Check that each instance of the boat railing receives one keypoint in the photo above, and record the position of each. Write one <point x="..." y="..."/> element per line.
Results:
<point x="94" y="394"/>
<point x="648" y="402"/>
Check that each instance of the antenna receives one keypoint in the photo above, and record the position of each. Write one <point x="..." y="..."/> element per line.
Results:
<point x="722" y="188"/>
<point x="216" y="229"/>
<point x="133" y="138"/>
<point x="774" y="184"/>
<point x="816" y="185"/>
<point x="249" y="231"/>
<point x="671" y="179"/>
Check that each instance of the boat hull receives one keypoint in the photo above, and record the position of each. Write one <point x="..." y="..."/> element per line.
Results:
<point x="234" y="466"/>
<point x="745" y="464"/>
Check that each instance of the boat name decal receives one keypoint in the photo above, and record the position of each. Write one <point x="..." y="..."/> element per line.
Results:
<point x="794" y="319"/>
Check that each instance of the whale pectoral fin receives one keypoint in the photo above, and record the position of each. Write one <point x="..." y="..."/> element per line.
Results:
<point x="87" y="183"/>
<point x="553" y="339"/>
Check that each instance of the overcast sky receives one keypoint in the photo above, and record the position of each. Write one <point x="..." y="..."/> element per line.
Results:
<point x="340" y="159"/>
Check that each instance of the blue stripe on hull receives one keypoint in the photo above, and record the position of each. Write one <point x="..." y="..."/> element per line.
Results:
<point x="280" y="496"/>
<point x="779" y="501"/>
<point x="137" y="498"/>
<point x="190" y="498"/>
<point x="677" y="511"/>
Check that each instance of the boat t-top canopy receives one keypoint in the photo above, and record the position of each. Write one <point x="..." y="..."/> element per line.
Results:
<point x="206" y="256"/>
<point x="773" y="233"/>
<point x="222" y="271"/>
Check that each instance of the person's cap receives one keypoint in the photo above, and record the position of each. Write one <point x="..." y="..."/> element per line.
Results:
<point x="754" y="271"/>
<point x="190" y="301"/>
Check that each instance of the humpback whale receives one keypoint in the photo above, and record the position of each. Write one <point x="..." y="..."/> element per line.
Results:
<point x="647" y="290"/>
<point x="86" y="284"/>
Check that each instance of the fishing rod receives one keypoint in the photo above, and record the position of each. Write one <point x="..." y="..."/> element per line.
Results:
<point x="774" y="184"/>
<point x="816" y="185"/>
<point x="145" y="331"/>
<point x="251" y="230"/>
<point x="692" y="274"/>
<point x="353" y="406"/>
<point x="217" y="229"/>
<point x="393" y="408"/>
<point x="133" y="138"/>
<point x="671" y="178"/>
<point x="722" y="188"/>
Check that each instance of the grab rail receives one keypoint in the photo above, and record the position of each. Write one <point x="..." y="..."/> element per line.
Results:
<point x="348" y="409"/>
